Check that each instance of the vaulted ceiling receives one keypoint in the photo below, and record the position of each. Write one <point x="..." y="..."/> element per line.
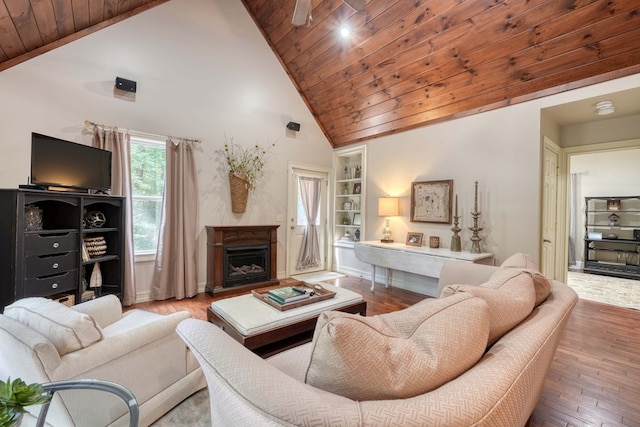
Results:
<point x="407" y="63"/>
<point x="31" y="28"/>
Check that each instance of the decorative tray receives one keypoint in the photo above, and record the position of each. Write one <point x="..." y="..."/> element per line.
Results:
<point x="320" y="294"/>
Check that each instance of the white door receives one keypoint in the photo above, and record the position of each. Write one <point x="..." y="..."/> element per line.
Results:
<point x="549" y="211"/>
<point x="297" y="221"/>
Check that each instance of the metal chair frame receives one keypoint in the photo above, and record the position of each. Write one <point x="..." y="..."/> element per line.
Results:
<point x="110" y="387"/>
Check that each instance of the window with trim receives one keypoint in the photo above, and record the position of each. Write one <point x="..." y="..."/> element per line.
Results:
<point x="148" y="166"/>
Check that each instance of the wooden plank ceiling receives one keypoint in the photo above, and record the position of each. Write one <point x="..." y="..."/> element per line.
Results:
<point x="408" y="63"/>
<point x="31" y="28"/>
<point x="413" y="63"/>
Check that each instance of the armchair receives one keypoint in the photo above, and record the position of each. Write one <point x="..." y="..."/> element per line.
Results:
<point x="44" y="341"/>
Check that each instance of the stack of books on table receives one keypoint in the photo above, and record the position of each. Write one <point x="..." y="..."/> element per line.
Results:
<point x="288" y="294"/>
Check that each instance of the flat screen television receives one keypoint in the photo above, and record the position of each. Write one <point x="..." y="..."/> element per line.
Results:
<point x="60" y="164"/>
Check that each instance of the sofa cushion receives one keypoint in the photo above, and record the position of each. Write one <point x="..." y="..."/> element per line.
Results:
<point x="526" y="262"/>
<point x="510" y="295"/>
<point x="67" y="329"/>
<point x="399" y="354"/>
<point x="519" y="260"/>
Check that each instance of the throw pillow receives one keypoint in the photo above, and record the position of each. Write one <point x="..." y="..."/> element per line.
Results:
<point x="67" y="329"/>
<point x="526" y="262"/>
<point x="399" y="354"/>
<point x="541" y="285"/>
<point x="510" y="296"/>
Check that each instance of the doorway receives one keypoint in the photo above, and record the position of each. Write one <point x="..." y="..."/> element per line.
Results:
<point x="298" y="224"/>
<point x="602" y="170"/>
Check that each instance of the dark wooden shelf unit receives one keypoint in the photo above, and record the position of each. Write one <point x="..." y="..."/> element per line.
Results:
<point x="48" y="261"/>
<point x="612" y="246"/>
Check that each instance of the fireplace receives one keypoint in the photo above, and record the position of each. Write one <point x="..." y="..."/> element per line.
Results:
<point x="245" y="264"/>
<point x="241" y="257"/>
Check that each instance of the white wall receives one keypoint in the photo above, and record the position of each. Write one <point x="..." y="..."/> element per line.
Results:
<point x="618" y="129"/>
<point x="203" y="71"/>
<point x="500" y="149"/>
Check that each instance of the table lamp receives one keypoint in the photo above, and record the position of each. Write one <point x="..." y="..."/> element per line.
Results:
<point x="387" y="206"/>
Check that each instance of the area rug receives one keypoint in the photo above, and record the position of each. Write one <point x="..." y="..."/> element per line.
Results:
<point x="605" y="289"/>
<point x="318" y="276"/>
<point x="194" y="411"/>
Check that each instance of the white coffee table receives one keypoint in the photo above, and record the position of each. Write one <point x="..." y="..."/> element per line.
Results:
<point x="266" y="330"/>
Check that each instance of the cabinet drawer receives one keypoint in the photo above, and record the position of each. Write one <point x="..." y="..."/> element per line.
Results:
<point x="38" y="265"/>
<point x="42" y="244"/>
<point x="65" y="282"/>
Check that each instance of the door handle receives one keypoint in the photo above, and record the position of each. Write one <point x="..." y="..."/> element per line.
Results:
<point x="546" y="241"/>
<point x="293" y="227"/>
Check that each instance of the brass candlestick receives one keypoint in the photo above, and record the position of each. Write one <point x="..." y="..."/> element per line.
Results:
<point x="456" y="246"/>
<point x="475" y="238"/>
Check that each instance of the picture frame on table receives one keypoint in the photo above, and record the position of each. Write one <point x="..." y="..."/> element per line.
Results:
<point x="414" y="239"/>
<point x="431" y="201"/>
<point x="357" y="188"/>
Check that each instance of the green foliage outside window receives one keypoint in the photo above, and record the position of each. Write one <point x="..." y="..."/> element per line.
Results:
<point x="147" y="169"/>
<point x="147" y="181"/>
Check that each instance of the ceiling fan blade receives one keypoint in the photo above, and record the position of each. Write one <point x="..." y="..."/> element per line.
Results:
<point x="357" y="5"/>
<point x="302" y="12"/>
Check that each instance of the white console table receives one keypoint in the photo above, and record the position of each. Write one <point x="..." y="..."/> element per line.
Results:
<point x="413" y="259"/>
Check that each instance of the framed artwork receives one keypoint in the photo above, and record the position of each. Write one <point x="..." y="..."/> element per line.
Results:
<point x="431" y="201"/>
<point x="613" y="205"/>
<point x="357" y="187"/>
<point x="414" y="239"/>
<point x="356" y="219"/>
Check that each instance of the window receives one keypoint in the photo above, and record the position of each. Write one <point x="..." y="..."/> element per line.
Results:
<point x="147" y="186"/>
<point x="302" y="216"/>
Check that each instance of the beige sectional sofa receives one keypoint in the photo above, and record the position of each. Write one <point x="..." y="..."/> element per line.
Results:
<point x="44" y="341"/>
<point x="514" y="311"/>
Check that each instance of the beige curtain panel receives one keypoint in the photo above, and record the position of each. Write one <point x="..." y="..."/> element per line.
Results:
<point x="118" y="143"/>
<point x="175" y="270"/>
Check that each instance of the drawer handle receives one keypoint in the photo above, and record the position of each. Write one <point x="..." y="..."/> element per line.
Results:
<point x="56" y="245"/>
<point x="54" y="286"/>
<point x="55" y="265"/>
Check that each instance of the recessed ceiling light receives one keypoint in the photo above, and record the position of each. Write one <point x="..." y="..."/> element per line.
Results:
<point x="345" y="31"/>
<point x="605" y="107"/>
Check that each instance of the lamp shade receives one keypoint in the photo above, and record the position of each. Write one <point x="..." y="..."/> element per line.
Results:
<point x="387" y="206"/>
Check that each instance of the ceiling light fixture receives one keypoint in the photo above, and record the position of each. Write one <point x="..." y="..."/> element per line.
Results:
<point x="605" y="107"/>
<point x="345" y="31"/>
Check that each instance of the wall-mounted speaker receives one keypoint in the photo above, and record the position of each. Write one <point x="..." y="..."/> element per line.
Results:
<point x="293" y="126"/>
<point x="127" y="85"/>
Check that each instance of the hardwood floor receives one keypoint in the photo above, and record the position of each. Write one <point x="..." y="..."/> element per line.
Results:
<point x="594" y="379"/>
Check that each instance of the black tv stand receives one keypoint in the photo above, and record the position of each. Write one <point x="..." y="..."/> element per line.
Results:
<point x="51" y="253"/>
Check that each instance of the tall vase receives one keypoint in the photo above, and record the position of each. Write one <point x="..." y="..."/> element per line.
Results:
<point x="95" y="282"/>
<point x="239" y="187"/>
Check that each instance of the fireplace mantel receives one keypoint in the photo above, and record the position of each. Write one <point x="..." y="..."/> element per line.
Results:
<point x="221" y="237"/>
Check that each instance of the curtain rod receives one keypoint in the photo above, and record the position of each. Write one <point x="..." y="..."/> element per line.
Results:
<point x="90" y="123"/>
